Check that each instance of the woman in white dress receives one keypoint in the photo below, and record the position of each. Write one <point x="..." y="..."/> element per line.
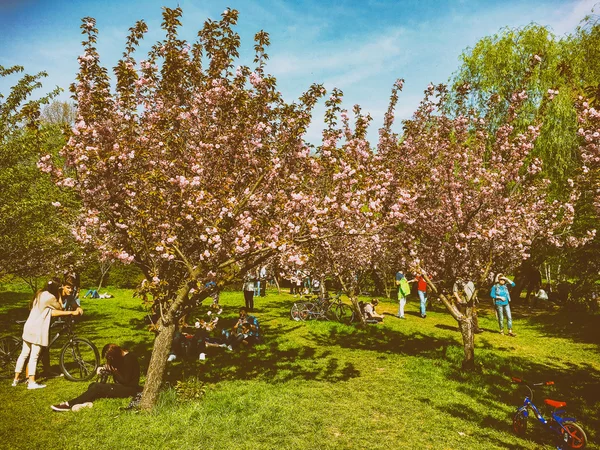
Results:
<point x="45" y="305"/>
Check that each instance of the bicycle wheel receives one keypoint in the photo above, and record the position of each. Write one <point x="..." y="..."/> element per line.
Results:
<point x="345" y="314"/>
<point x="295" y="311"/>
<point x="10" y="349"/>
<point x="520" y="422"/>
<point x="574" y="436"/>
<point x="307" y="311"/>
<point x="79" y="359"/>
<point x="332" y="313"/>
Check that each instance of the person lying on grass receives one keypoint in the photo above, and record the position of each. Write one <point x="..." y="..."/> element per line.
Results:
<point x="125" y="370"/>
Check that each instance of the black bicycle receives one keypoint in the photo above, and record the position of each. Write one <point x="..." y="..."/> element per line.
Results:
<point x="79" y="357"/>
<point x="322" y="308"/>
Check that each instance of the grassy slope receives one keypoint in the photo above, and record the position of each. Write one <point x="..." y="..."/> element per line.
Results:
<point x="320" y="385"/>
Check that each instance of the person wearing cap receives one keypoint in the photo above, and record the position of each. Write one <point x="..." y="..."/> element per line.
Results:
<point x="501" y="298"/>
<point x="403" y="291"/>
<point x="422" y="291"/>
<point x="46" y="303"/>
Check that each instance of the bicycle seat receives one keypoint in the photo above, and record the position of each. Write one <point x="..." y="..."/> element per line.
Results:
<point x="554" y="403"/>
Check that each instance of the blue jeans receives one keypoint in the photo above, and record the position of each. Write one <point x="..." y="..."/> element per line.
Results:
<point x="423" y="298"/>
<point x="501" y="309"/>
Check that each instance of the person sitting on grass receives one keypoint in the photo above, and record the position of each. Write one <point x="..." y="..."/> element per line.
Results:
<point x="125" y="370"/>
<point x="246" y="330"/>
<point x="371" y="316"/>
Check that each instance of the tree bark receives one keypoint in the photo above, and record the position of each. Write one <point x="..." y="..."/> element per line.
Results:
<point x="162" y="346"/>
<point x="156" y="368"/>
<point x="467" y="328"/>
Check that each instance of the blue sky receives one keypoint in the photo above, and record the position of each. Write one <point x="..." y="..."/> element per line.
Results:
<point x="361" y="47"/>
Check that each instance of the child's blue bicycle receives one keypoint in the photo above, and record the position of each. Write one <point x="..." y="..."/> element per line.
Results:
<point x="568" y="433"/>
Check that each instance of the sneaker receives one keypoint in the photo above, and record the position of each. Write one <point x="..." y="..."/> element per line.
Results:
<point x="34" y="385"/>
<point x="15" y="383"/>
<point x="502" y="332"/>
<point x="230" y="348"/>
<point x="81" y="406"/>
<point x="510" y="333"/>
<point x="171" y="358"/>
<point x="64" y="406"/>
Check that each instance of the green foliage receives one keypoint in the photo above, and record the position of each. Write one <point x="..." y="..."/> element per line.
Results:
<point x="34" y="239"/>
<point x="127" y="276"/>
<point x="190" y="389"/>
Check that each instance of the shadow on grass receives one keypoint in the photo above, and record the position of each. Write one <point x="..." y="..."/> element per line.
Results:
<point x="577" y="326"/>
<point x="577" y="385"/>
<point x="13" y="306"/>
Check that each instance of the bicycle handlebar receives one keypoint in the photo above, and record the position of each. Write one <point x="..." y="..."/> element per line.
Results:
<point x="520" y="380"/>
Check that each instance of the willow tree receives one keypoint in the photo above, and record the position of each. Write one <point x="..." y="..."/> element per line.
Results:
<point x="34" y="214"/>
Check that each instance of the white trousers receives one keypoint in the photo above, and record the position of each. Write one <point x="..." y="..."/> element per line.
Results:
<point x="31" y="350"/>
<point x="401" y="303"/>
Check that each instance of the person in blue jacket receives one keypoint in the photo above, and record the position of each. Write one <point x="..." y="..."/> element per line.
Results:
<point x="501" y="298"/>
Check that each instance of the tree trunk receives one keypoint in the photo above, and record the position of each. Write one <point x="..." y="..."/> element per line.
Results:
<point x="277" y="284"/>
<point x="357" y="312"/>
<point x="467" y="328"/>
<point x="158" y="363"/>
<point x="104" y="268"/>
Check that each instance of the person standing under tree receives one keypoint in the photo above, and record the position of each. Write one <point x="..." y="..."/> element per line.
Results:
<point x="467" y="288"/>
<point x="249" y="292"/>
<point x="403" y="291"/>
<point x="501" y="298"/>
<point x="46" y="304"/>
<point x="422" y="291"/>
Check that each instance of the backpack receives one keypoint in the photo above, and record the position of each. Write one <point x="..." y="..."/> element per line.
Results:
<point x="404" y="287"/>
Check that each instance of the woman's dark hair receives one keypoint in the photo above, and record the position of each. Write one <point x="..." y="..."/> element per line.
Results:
<point x="52" y="286"/>
<point x="113" y="354"/>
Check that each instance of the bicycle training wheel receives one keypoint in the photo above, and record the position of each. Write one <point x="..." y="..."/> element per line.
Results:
<point x="520" y="423"/>
<point x="10" y="349"/>
<point x="574" y="436"/>
<point x="79" y="359"/>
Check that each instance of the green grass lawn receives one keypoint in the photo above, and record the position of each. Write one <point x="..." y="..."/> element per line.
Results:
<point x="320" y="385"/>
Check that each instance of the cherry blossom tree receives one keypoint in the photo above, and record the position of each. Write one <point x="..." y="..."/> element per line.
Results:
<point x="480" y="203"/>
<point x="350" y="198"/>
<point x="192" y="169"/>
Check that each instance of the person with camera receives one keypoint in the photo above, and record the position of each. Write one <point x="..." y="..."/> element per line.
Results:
<point x="501" y="298"/>
<point x="123" y="366"/>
